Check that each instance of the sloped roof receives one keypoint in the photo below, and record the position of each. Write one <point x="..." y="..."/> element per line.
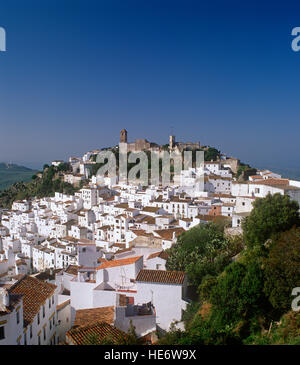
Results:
<point x="161" y="276"/>
<point x="150" y="209"/>
<point x="35" y="293"/>
<point x="72" y="269"/>
<point x="161" y="254"/>
<point x="91" y="316"/>
<point x="167" y="234"/>
<point x="101" y="329"/>
<point x="271" y="182"/>
<point x="120" y="262"/>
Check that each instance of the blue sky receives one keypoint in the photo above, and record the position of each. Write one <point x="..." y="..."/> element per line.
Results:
<point x="222" y="73"/>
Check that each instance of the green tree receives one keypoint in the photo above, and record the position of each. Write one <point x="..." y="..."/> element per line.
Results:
<point x="284" y="332"/>
<point x="211" y="154"/>
<point x="200" y="251"/>
<point x="206" y="286"/>
<point x="171" y="337"/>
<point x="241" y="168"/>
<point x="238" y="297"/>
<point x="64" y="167"/>
<point x="282" y="269"/>
<point x="272" y="214"/>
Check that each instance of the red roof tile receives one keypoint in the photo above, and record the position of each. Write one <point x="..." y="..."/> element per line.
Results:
<point x="79" y="336"/>
<point x="35" y="292"/>
<point x="161" y="276"/>
<point x="121" y="262"/>
<point x="161" y="254"/>
<point x="91" y="316"/>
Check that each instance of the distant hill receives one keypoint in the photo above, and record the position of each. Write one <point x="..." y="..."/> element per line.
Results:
<point x="11" y="173"/>
<point x="46" y="183"/>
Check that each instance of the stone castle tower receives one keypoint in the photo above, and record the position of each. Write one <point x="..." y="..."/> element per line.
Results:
<point x="123" y="136"/>
<point x="172" y="142"/>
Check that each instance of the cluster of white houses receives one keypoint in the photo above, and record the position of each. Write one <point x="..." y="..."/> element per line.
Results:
<point x="95" y="261"/>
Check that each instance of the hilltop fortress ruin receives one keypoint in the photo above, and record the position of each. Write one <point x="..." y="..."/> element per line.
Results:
<point x="145" y="145"/>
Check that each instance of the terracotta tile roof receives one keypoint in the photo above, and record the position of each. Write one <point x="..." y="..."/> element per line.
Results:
<point x="79" y="335"/>
<point x="123" y="251"/>
<point x="218" y="195"/>
<point x="147" y="219"/>
<point x="35" y="292"/>
<point x="161" y="254"/>
<point x="86" y="242"/>
<point x="69" y="238"/>
<point x="119" y="245"/>
<point x="21" y="262"/>
<point x="186" y="219"/>
<point x="206" y="217"/>
<point x="259" y="177"/>
<point x="91" y="316"/>
<point x="177" y="199"/>
<point x="139" y="232"/>
<point x="161" y="276"/>
<point x="167" y="234"/>
<point x="120" y="262"/>
<point x="271" y="182"/>
<point x="121" y="216"/>
<point x="122" y="205"/>
<point x="72" y="269"/>
<point x="104" y="228"/>
<point x="110" y="199"/>
<point x="150" y="209"/>
<point x="48" y="274"/>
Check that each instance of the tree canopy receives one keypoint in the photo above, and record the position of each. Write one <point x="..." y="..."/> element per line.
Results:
<point x="282" y="269"/>
<point x="241" y="298"/>
<point x="272" y="214"/>
<point x="202" y="250"/>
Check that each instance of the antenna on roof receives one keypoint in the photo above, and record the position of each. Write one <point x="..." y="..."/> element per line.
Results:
<point x="123" y="277"/>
